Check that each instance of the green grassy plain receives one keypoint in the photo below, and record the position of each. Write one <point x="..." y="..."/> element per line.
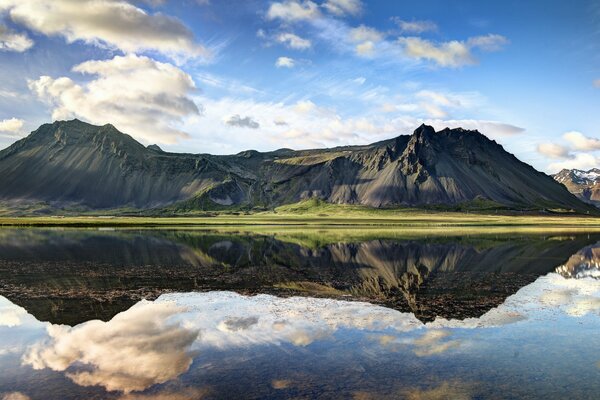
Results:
<point x="318" y="214"/>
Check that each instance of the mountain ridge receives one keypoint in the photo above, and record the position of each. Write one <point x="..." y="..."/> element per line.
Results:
<point x="583" y="184"/>
<point x="73" y="162"/>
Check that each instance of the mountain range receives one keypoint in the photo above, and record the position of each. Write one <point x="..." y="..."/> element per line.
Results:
<point x="583" y="184"/>
<point x="75" y="164"/>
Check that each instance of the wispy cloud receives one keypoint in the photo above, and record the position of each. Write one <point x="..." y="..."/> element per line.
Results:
<point x="454" y="53"/>
<point x="414" y="26"/>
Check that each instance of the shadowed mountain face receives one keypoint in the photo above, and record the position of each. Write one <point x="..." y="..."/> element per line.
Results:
<point x="583" y="184"/>
<point x="74" y="163"/>
<point x="73" y="276"/>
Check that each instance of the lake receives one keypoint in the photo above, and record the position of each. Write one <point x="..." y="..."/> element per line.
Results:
<point x="314" y="313"/>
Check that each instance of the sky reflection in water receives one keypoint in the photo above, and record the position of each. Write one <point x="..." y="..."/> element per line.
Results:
<point x="541" y="342"/>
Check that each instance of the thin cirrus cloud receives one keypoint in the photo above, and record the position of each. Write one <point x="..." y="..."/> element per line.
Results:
<point x="303" y="10"/>
<point x="140" y="96"/>
<point x="11" y="41"/>
<point x="343" y="7"/>
<point x="415" y="27"/>
<point x="452" y="54"/>
<point x="114" y="24"/>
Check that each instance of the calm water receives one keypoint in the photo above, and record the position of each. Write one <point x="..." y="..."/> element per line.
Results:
<point x="154" y="314"/>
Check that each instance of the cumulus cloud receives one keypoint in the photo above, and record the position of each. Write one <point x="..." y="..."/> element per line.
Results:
<point x="115" y="24"/>
<point x="553" y="150"/>
<point x="581" y="142"/>
<point x="285" y="62"/>
<point x="343" y="7"/>
<point x="11" y="126"/>
<point x="135" y="350"/>
<point x="416" y="27"/>
<point x="294" y="41"/>
<point x="293" y="10"/>
<point x="450" y="54"/>
<point x="11" y="41"/>
<point x="246" y="122"/>
<point x="140" y="96"/>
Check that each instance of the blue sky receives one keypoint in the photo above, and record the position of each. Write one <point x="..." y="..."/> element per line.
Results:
<point x="224" y="76"/>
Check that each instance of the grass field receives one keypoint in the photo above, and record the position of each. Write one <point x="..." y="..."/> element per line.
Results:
<point x="317" y="214"/>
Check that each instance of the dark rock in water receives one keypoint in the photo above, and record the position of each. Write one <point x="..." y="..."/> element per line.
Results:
<point x="72" y="162"/>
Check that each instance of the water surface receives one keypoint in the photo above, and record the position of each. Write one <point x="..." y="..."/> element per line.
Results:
<point x="148" y="314"/>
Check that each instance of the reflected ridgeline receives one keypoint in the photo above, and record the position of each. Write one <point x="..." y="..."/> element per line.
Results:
<point x="583" y="264"/>
<point x="73" y="276"/>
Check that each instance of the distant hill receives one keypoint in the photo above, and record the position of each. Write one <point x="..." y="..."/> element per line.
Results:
<point x="583" y="184"/>
<point x="77" y="164"/>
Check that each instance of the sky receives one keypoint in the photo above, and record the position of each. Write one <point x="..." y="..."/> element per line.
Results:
<point x="222" y="76"/>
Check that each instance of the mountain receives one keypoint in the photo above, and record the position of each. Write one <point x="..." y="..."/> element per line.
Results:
<point x="77" y="164"/>
<point x="583" y="184"/>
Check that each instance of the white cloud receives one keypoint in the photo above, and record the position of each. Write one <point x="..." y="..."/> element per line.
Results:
<point x="294" y="41"/>
<point x="138" y="348"/>
<point x="364" y="33"/>
<point x="285" y="62"/>
<point x="115" y="23"/>
<point x="553" y="150"/>
<point x="367" y="39"/>
<point x="12" y="125"/>
<point x="491" y="42"/>
<point x="416" y="27"/>
<point x="343" y="7"/>
<point x="581" y="142"/>
<point x="450" y="54"/>
<point x="582" y="161"/>
<point x="140" y="96"/>
<point x="365" y="48"/>
<point x="293" y="10"/>
<point x="11" y="41"/>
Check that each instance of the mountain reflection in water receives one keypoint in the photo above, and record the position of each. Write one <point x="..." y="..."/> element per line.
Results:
<point x="539" y="343"/>
<point x="72" y="276"/>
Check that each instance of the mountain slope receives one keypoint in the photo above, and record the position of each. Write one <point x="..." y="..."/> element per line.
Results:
<point x="74" y="163"/>
<point x="583" y="184"/>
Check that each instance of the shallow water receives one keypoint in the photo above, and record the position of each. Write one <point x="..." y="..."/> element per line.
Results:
<point x="192" y="314"/>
